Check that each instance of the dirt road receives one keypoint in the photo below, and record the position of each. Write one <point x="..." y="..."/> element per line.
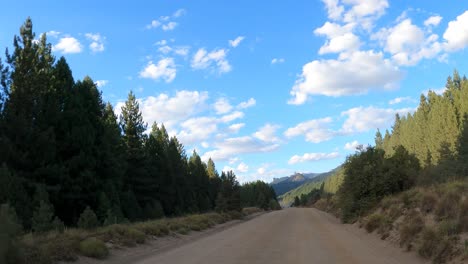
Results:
<point x="288" y="236"/>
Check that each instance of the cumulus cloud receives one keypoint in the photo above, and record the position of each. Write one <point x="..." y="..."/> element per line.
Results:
<point x="235" y="42"/>
<point x="277" y="60"/>
<point x="456" y="34"/>
<point x="242" y="167"/>
<point x="97" y="42"/>
<point x="267" y="133"/>
<point x="339" y="38"/>
<point x="247" y="104"/>
<point x="352" y="145"/>
<point x="408" y="43"/>
<point x="169" y="26"/>
<point x="232" y="147"/>
<point x="68" y="45"/>
<point x="334" y="9"/>
<point x="101" y="83"/>
<point x="164" y="69"/>
<point x="179" y="13"/>
<point x="214" y="60"/>
<point x="222" y="106"/>
<point x="399" y="100"/>
<point x="313" y="157"/>
<point x="170" y="110"/>
<point x="197" y="129"/>
<point x="433" y="21"/>
<point x="234" y="128"/>
<point x="232" y="116"/>
<point x="316" y="130"/>
<point x="361" y="119"/>
<point x="359" y="73"/>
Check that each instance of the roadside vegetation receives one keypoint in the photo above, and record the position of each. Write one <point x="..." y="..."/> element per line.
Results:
<point x="75" y="179"/>
<point x="412" y="186"/>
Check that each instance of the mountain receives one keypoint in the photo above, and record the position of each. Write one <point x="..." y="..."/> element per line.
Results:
<point x="285" y="184"/>
<point x="332" y="179"/>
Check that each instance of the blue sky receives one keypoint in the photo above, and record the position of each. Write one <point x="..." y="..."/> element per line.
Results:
<point x="263" y="89"/>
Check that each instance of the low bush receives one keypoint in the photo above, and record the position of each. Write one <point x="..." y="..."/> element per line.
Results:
<point x="448" y="206"/>
<point x="251" y="210"/>
<point x="373" y="222"/>
<point x="94" y="248"/>
<point x="463" y="216"/>
<point x="428" y="202"/>
<point x="430" y="239"/>
<point x="412" y="225"/>
<point x="449" y="227"/>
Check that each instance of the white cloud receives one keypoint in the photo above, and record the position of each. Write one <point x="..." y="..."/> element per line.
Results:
<point x="400" y="100"/>
<point x="165" y="49"/>
<point x="153" y="24"/>
<point x="179" y="13"/>
<point x="242" y="168"/>
<point x="267" y="133"/>
<point x="339" y="38"/>
<point x="277" y="60"/>
<point x="53" y="34"/>
<point x="316" y="130"/>
<point x="234" y="128"/>
<point x="232" y="116"/>
<point x="182" y="51"/>
<point x="364" y="12"/>
<point x="312" y="157"/>
<point x="334" y="9"/>
<point x="408" y="43"/>
<point x="197" y="129"/>
<point x="170" y="110"/>
<point x="216" y="60"/>
<point x="234" y="43"/>
<point x="352" y="145"/>
<point x="232" y="147"/>
<point x="249" y="103"/>
<point x="358" y="73"/>
<point x="433" y="21"/>
<point x="164" y="69"/>
<point x="222" y="106"/>
<point x="456" y="35"/>
<point x="68" y="45"/>
<point x="97" y="42"/>
<point x="169" y="26"/>
<point x="162" y="42"/>
<point x="361" y="119"/>
<point x="101" y="83"/>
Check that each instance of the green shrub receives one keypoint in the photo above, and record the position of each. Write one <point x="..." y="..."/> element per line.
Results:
<point x="42" y="217"/>
<point x="251" y="210"/>
<point x="153" y="228"/>
<point x="58" y="225"/>
<point x="274" y="205"/>
<point x="373" y="222"/>
<point x="88" y="219"/>
<point x="9" y="229"/>
<point x="412" y="224"/>
<point x="448" y="208"/>
<point x="444" y="251"/>
<point x="123" y="234"/>
<point x="94" y="248"/>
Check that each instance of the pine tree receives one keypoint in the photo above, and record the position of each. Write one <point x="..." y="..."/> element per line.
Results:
<point x="88" y="219"/>
<point x="43" y="217"/>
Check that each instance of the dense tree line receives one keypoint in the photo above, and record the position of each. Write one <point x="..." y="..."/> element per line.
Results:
<point x="66" y="158"/>
<point x="436" y="132"/>
<point x="426" y="147"/>
<point x="259" y="194"/>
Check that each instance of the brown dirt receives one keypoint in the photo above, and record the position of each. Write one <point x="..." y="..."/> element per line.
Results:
<point x="296" y="235"/>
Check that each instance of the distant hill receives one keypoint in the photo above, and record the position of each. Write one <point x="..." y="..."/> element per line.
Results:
<point x="285" y="184"/>
<point x="332" y="180"/>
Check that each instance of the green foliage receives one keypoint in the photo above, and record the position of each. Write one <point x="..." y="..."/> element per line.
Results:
<point x="9" y="229"/>
<point x="448" y="206"/>
<point x="370" y="176"/>
<point x="43" y="217"/>
<point x="229" y="194"/>
<point x="88" y="219"/>
<point x="94" y="248"/>
<point x="258" y="194"/>
<point x="373" y="222"/>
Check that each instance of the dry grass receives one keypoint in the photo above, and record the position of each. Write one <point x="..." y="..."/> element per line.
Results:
<point x="67" y="246"/>
<point x="412" y="225"/>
